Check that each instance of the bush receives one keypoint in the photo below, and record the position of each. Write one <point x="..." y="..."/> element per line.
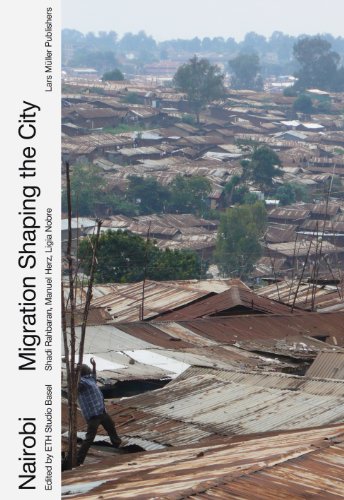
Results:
<point x="115" y="75"/>
<point x="290" y="91"/>
<point x="303" y="104"/>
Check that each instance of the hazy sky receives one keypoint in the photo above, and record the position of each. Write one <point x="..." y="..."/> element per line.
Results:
<point x="188" y="18"/>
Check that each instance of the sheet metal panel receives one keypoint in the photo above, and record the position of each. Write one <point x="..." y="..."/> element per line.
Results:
<point x="293" y="464"/>
<point x="327" y="365"/>
<point x="242" y="403"/>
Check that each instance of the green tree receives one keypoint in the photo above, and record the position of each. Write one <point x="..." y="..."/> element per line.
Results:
<point x="152" y="195"/>
<point x="136" y="42"/>
<point x="201" y="81"/>
<point x="318" y="64"/>
<point x="121" y="256"/>
<point x="189" y="194"/>
<point x="264" y="167"/>
<point x="286" y="194"/>
<point x="245" y="68"/>
<point x="238" y="247"/>
<point x="303" y="104"/>
<point x="239" y="194"/>
<point x="87" y="187"/>
<point x="175" y="265"/>
<point x="102" y="61"/>
<point x="132" y="98"/>
<point x="113" y="76"/>
<point x="231" y="186"/>
<point x="119" y="205"/>
<point x="301" y="193"/>
<point x="124" y="257"/>
<point x="290" y="91"/>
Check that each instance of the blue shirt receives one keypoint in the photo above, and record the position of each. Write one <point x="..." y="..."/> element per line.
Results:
<point x="90" y="397"/>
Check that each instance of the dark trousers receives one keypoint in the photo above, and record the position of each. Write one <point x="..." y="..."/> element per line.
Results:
<point x="92" y="426"/>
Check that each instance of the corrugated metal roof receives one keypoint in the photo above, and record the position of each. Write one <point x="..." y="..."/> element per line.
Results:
<point x="288" y="213"/>
<point x="324" y="296"/>
<point x="229" y="330"/>
<point x="228" y="302"/>
<point x="283" y="465"/>
<point x="114" y="351"/>
<point x="147" y="150"/>
<point x="226" y="402"/>
<point x="321" y="225"/>
<point x="280" y="233"/>
<point x="302" y="248"/>
<point x="78" y="222"/>
<point x="287" y="336"/>
<point x="329" y="209"/>
<point x="92" y="113"/>
<point x="124" y="301"/>
<point x="126" y="304"/>
<point x="327" y="365"/>
<point x="298" y="346"/>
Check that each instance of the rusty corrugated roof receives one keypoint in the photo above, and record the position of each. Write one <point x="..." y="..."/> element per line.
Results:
<point x="288" y="213"/>
<point x="236" y="300"/>
<point x="232" y="329"/>
<point x="123" y="301"/>
<point x="324" y="296"/>
<point x="302" y="248"/>
<point x="283" y="465"/>
<point x="225" y="402"/>
<point x="280" y="233"/>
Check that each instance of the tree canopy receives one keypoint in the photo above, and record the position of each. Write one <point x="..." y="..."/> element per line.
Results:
<point x="189" y="194"/>
<point x="101" y="60"/>
<point x="303" y="103"/>
<point x="113" y="76"/>
<point x="124" y="257"/>
<point x="201" y="81"/>
<point x="318" y="64"/>
<point x="286" y="194"/>
<point x="88" y="189"/>
<point x="143" y="48"/>
<point x="87" y="186"/>
<point x="238" y="247"/>
<point x="245" y="68"/>
<point x="263" y="167"/>
<point x="149" y="194"/>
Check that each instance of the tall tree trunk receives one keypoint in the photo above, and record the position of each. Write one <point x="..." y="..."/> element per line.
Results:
<point x="73" y="369"/>
<point x="72" y="384"/>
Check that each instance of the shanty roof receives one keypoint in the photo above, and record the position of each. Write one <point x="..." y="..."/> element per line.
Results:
<point x="329" y="209"/>
<point x="288" y="213"/>
<point x="267" y="266"/>
<point x="303" y="247"/>
<point x="78" y="222"/>
<point x="120" y="356"/>
<point x="322" y="226"/>
<point x="323" y="298"/>
<point x="134" y="290"/>
<point x="146" y="351"/>
<point x="92" y="113"/>
<point x="280" y="233"/>
<point x="206" y="401"/>
<point x="89" y="143"/>
<point x="147" y="150"/>
<point x="279" y="465"/>
<point x="236" y="299"/>
<point x="292" y="337"/>
<point x="124" y="303"/>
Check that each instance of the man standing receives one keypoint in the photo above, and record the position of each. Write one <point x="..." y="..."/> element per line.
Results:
<point x="91" y="402"/>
